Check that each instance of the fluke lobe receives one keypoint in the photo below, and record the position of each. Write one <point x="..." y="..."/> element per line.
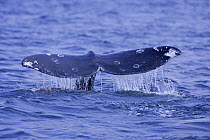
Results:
<point x="122" y="63"/>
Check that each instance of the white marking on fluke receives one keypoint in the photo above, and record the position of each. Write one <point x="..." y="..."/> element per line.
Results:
<point x="55" y="60"/>
<point x="117" y="62"/>
<point x="139" y="51"/>
<point x="48" y="54"/>
<point x="60" y="55"/>
<point x="171" y="53"/>
<point x="75" y="69"/>
<point x="36" y="69"/>
<point x="136" y="66"/>
<point x="29" y="64"/>
<point x="35" y="62"/>
<point x="155" y="48"/>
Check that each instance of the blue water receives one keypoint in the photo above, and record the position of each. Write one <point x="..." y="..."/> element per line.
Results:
<point x="29" y="109"/>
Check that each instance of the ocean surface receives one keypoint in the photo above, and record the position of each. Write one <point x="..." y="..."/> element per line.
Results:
<point x="34" y="106"/>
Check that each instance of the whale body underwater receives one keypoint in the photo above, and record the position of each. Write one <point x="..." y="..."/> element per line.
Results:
<point x="81" y="66"/>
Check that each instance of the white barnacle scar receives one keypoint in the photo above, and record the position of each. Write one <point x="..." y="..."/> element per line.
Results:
<point x="155" y="48"/>
<point x="36" y="69"/>
<point x="171" y="53"/>
<point x="60" y="55"/>
<point x="139" y="51"/>
<point x="29" y="64"/>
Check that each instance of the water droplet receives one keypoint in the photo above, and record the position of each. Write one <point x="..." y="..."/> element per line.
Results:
<point x="75" y="69"/>
<point x="136" y="66"/>
<point x="117" y="62"/>
<point x="60" y="55"/>
<point x="139" y="51"/>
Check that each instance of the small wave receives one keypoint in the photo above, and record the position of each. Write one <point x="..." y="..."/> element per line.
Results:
<point x="16" y="135"/>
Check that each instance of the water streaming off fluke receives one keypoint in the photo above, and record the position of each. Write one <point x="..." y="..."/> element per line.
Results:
<point x="150" y="82"/>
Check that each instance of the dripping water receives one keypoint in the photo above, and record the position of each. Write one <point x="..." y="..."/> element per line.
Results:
<point x="101" y="80"/>
<point x="151" y="82"/>
<point x="43" y="81"/>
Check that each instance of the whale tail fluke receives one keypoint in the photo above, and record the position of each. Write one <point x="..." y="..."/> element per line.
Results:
<point x="136" y="61"/>
<point x="62" y="66"/>
<point x="123" y="63"/>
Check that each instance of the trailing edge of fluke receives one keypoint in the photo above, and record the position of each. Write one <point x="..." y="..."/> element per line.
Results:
<point x="122" y="63"/>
